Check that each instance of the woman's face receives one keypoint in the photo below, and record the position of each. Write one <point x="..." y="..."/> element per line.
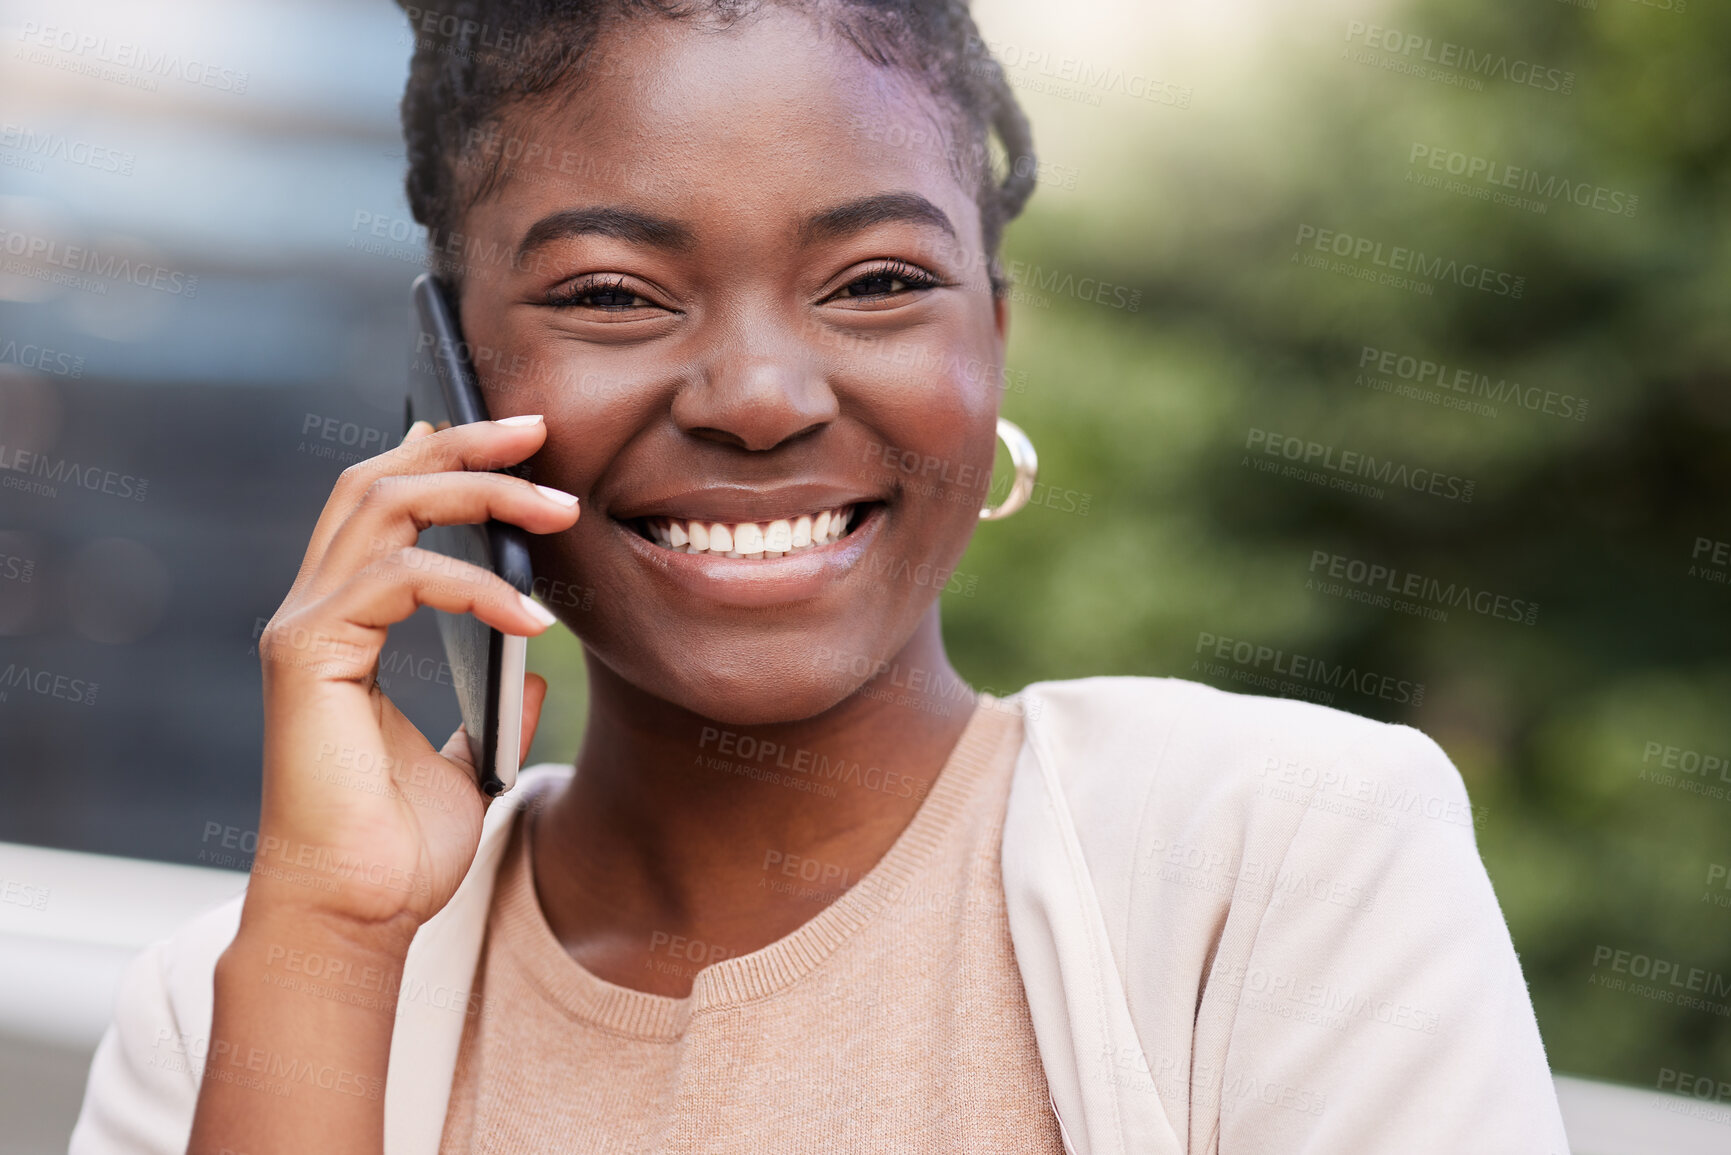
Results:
<point x="740" y="277"/>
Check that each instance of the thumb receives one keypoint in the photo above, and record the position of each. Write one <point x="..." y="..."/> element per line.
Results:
<point x="456" y="747"/>
<point x="534" y="697"/>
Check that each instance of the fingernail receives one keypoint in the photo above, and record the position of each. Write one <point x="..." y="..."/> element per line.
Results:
<point x="558" y="495"/>
<point x="423" y="427"/>
<point x="536" y="610"/>
<point x="520" y="419"/>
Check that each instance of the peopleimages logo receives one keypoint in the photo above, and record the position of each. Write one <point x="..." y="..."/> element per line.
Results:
<point x="1417" y="49"/>
<point x="18" y="464"/>
<point x="1400" y="259"/>
<point x="460" y="32"/>
<point x="1264" y="665"/>
<point x="1035" y="281"/>
<point x="90" y="51"/>
<point x="42" y="359"/>
<point x="83" y="259"/>
<point x="67" y="149"/>
<point x="1088" y="78"/>
<point x="1353" y="464"/>
<point x="1390" y="587"/>
<point x="1416" y="372"/>
<point x="1661" y="979"/>
<point x="1499" y="175"/>
<point x="47" y="684"/>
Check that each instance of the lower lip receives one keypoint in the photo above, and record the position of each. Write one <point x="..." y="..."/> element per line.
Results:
<point x="769" y="581"/>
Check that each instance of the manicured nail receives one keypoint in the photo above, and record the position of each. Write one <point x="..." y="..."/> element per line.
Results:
<point x="558" y="495"/>
<point x="536" y="610"/>
<point x="520" y="419"/>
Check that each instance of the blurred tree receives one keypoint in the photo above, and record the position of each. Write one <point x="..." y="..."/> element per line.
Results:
<point x="1593" y="419"/>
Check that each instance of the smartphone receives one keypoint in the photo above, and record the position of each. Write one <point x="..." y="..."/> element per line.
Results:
<point x="486" y="665"/>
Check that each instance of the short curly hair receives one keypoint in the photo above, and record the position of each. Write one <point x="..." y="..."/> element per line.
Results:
<point x="474" y="59"/>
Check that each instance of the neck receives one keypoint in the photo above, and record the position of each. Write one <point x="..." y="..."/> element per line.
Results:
<point x="674" y="822"/>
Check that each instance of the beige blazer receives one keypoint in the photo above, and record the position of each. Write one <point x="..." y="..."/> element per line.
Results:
<point x="1244" y="925"/>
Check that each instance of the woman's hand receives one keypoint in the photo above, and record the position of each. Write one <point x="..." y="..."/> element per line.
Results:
<point x="366" y="830"/>
<point x="364" y="824"/>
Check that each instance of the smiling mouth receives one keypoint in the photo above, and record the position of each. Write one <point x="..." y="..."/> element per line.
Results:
<point x="754" y="539"/>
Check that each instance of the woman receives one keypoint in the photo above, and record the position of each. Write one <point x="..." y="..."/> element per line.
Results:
<point x="724" y="268"/>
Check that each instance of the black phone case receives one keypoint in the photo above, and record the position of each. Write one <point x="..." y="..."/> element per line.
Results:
<point x="443" y="389"/>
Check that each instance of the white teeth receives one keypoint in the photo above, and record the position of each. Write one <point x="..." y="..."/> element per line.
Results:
<point x="750" y="539"/>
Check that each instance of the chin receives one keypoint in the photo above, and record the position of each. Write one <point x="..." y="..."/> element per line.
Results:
<point x="753" y="685"/>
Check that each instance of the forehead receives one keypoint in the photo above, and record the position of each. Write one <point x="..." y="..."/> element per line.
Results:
<point x="685" y="113"/>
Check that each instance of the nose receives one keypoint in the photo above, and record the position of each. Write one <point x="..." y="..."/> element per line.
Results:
<point x="756" y="392"/>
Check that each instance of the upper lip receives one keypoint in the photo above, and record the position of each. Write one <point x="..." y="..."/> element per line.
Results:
<point x="730" y="504"/>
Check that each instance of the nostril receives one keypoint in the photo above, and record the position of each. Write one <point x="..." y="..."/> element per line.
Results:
<point x="719" y="436"/>
<point x="754" y="399"/>
<point x="728" y="437"/>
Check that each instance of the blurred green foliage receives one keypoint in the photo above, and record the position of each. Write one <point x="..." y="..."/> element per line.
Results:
<point x="1147" y="413"/>
<point x="1594" y="520"/>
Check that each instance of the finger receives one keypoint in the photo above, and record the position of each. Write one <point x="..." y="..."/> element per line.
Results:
<point x="338" y="637"/>
<point x="390" y="589"/>
<point x="481" y="447"/>
<point x="417" y="431"/>
<point x="534" y="697"/>
<point x="394" y="510"/>
<point x="456" y="749"/>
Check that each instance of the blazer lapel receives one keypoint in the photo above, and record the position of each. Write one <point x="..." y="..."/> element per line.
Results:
<point x="1101" y="1085"/>
<point x="436" y="998"/>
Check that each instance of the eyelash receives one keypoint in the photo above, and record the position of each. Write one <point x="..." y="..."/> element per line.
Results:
<point x="579" y="294"/>
<point x="582" y="293"/>
<point x="913" y="277"/>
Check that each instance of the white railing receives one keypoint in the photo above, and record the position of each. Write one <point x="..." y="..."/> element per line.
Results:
<point x="70" y="922"/>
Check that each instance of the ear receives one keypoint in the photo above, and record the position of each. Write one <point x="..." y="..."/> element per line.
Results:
<point x="1001" y="317"/>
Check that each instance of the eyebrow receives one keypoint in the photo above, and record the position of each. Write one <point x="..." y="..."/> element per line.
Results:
<point x="659" y="232"/>
<point x="606" y="221"/>
<point x="857" y="215"/>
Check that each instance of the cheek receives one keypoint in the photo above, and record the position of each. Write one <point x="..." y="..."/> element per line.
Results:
<point x="576" y="592"/>
<point x="938" y="447"/>
<point x="594" y="409"/>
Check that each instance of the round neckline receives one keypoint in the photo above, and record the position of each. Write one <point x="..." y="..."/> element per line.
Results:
<point x="772" y="968"/>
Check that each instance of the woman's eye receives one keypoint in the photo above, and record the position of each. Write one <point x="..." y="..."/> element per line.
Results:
<point x="887" y="282"/>
<point x="608" y="296"/>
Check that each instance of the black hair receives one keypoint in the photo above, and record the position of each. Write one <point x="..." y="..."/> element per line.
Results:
<point x="474" y="59"/>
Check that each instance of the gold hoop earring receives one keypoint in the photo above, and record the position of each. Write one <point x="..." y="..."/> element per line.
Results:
<point x="1027" y="464"/>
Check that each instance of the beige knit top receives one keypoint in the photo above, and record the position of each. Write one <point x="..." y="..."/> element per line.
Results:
<point x="893" y="1021"/>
